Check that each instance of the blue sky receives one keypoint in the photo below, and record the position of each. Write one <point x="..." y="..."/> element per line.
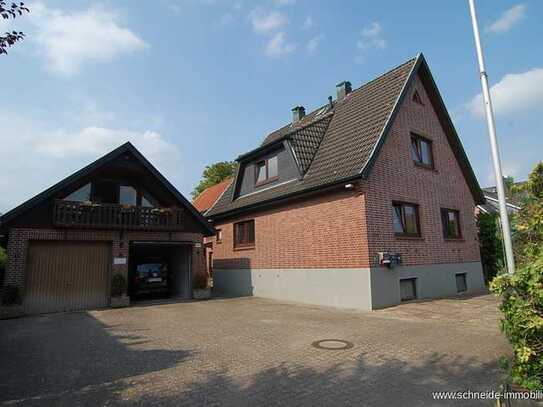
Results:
<point x="194" y="82"/>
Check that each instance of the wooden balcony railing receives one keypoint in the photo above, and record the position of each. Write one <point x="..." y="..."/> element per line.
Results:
<point x="111" y="216"/>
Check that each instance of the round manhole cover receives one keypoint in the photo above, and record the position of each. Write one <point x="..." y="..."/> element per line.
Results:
<point x="332" y="344"/>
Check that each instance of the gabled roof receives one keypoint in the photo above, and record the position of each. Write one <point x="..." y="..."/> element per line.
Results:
<point x="209" y="196"/>
<point x="513" y="199"/>
<point x="125" y="148"/>
<point x="351" y="140"/>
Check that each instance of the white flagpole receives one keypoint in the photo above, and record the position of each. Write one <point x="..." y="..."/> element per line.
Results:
<point x="493" y="144"/>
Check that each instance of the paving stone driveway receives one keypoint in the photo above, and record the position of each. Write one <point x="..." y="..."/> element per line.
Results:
<point x="250" y="352"/>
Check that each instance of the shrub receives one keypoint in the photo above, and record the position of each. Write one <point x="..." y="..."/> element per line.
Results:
<point x="522" y="307"/>
<point x="11" y="295"/>
<point x="528" y="236"/>
<point x="522" y="292"/>
<point x="118" y="285"/>
<point x="200" y="281"/>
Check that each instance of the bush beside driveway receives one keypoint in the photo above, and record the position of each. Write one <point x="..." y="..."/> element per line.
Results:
<point x="250" y="351"/>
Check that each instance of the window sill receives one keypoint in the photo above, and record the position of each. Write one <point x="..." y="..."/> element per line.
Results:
<point x="454" y="239"/>
<point x="425" y="167"/>
<point x="268" y="181"/>
<point x="241" y="248"/>
<point x="407" y="237"/>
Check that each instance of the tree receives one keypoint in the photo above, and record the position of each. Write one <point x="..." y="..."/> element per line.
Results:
<point x="490" y="244"/>
<point x="9" y="39"/>
<point x="214" y="174"/>
<point x="528" y="236"/>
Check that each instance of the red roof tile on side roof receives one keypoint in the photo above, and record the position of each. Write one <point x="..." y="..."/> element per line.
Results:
<point x="207" y="198"/>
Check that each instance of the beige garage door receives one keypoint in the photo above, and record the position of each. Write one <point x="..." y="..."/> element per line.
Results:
<point x="63" y="276"/>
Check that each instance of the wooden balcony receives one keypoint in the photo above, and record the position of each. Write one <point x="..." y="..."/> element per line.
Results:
<point x="112" y="216"/>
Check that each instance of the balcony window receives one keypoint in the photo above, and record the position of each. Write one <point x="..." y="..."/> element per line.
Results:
<point x="83" y="194"/>
<point x="128" y="195"/>
<point x="147" y="201"/>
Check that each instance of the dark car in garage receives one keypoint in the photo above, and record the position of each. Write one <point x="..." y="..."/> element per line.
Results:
<point x="151" y="278"/>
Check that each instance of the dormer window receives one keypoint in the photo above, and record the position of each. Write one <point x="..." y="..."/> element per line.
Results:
<point x="266" y="170"/>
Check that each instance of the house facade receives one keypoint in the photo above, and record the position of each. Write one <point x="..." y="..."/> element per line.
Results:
<point x="364" y="203"/>
<point x="65" y="244"/>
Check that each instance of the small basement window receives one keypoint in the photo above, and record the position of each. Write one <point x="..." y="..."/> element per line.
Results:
<point x="421" y="151"/>
<point x="461" y="283"/>
<point x="244" y="234"/>
<point x="266" y="170"/>
<point x="408" y="289"/>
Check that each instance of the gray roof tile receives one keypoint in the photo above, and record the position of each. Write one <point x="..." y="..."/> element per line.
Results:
<point x="335" y="147"/>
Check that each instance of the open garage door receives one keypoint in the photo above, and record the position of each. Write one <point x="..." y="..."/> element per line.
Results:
<point x="159" y="270"/>
<point x="67" y="276"/>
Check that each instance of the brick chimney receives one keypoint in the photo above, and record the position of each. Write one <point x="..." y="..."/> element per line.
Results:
<point x="298" y="113"/>
<point x="343" y="89"/>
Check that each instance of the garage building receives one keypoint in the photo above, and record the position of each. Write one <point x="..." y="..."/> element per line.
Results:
<point x="118" y="215"/>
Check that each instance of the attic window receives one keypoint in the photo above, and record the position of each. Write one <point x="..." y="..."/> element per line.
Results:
<point x="266" y="170"/>
<point x="421" y="151"/>
<point x="417" y="98"/>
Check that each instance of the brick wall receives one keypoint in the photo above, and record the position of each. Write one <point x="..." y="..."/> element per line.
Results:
<point x="19" y="239"/>
<point x="396" y="177"/>
<point x="319" y="232"/>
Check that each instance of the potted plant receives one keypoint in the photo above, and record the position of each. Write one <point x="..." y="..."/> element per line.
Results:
<point x="200" y="287"/>
<point x="11" y="302"/>
<point x="119" y="298"/>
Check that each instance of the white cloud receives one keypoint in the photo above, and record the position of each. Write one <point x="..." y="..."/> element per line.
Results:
<point x="508" y="19"/>
<point x="314" y="43"/>
<point x="266" y="22"/>
<point x="70" y="39"/>
<point x="514" y="93"/>
<point x="371" y="37"/>
<point x="97" y="140"/>
<point x="308" y="24"/>
<point x="279" y="46"/>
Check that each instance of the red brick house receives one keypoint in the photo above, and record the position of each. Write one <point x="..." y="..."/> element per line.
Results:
<point x="65" y="244"/>
<point x="363" y="203"/>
